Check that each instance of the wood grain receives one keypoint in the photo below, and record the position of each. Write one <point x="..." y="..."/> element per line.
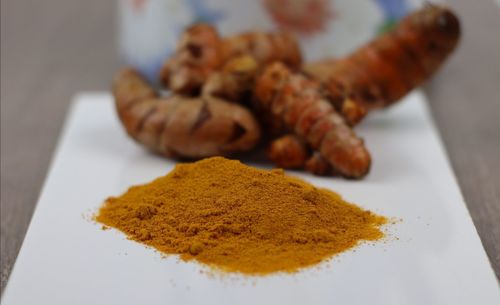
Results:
<point x="465" y="103"/>
<point x="51" y="49"/>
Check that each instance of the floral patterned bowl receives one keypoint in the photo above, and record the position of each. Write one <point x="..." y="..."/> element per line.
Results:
<point x="149" y="29"/>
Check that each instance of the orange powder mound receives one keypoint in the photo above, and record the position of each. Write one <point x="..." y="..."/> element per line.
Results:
<point x="238" y="218"/>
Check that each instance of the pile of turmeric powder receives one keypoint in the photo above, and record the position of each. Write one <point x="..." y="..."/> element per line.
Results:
<point x="237" y="218"/>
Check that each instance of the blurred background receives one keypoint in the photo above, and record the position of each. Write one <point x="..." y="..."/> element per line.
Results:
<point x="52" y="49"/>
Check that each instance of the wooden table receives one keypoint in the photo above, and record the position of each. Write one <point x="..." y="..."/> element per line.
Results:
<point x="54" y="48"/>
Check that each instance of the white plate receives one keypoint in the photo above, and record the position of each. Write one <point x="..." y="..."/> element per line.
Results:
<point x="437" y="257"/>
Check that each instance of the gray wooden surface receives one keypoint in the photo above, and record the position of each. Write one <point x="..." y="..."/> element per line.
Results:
<point x="53" y="48"/>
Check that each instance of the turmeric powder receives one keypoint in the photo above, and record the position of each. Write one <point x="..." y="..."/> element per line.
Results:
<point x="237" y="218"/>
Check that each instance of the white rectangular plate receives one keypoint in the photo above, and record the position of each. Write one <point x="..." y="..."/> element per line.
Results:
<point x="433" y="256"/>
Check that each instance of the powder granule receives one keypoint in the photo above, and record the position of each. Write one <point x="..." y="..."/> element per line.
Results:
<point x="239" y="218"/>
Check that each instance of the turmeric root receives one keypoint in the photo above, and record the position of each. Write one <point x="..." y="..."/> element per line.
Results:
<point x="198" y="54"/>
<point x="297" y="102"/>
<point x="234" y="82"/>
<point x="318" y="165"/>
<point x="313" y="109"/>
<point x="289" y="151"/>
<point x="386" y="69"/>
<point x="264" y="47"/>
<point x="179" y="126"/>
<point x="201" y="52"/>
